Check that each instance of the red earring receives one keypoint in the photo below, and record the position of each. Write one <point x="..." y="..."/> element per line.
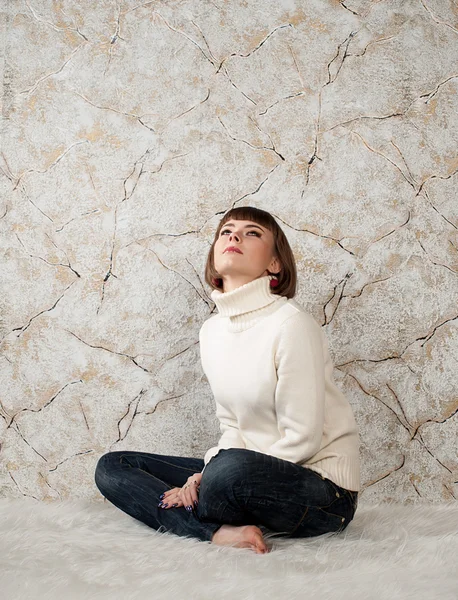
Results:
<point x="216" y="282"/>
<point x="274" y="282"/>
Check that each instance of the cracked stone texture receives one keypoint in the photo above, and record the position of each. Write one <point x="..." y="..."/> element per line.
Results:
<point x="129" y="128"/>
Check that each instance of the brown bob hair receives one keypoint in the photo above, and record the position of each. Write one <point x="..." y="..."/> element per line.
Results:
<point x="288" y="275"/>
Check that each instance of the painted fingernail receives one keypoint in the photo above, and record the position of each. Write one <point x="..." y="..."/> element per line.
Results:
<point x="160" y="504"/>
<point x="174" y="505"/>
<point x="195" y="503"/>
<point x="166" y="504"/>
<point x="161" y="496"/>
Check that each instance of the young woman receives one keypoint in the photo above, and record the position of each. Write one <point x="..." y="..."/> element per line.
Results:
<point x="287" y="462"/>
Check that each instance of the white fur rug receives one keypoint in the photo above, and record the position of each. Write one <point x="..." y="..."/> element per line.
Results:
<point x="77" y="549"/>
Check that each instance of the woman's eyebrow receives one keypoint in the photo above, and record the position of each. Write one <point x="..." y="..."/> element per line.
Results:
<point x="232" y="225"/>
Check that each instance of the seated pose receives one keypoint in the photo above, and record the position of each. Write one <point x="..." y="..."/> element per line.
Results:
<point x="287" y="462"/>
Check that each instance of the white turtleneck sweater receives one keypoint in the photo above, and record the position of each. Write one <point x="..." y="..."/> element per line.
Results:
<point x="268" y="365"/>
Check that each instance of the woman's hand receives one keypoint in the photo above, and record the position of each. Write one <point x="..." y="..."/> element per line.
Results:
<point x="186" y="496"/>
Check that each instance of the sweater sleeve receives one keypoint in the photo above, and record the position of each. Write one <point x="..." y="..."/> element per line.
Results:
<point x="231" y="436"/>
<point x="300" y="389"/>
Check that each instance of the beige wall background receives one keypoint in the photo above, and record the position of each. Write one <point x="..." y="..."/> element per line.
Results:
<point x="128" y="129"/>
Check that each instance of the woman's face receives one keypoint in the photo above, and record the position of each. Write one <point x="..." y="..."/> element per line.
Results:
<point x="255" y="259"/>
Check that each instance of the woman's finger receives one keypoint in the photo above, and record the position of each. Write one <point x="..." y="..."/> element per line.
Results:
<point x="168" y="492"/>
<point x="172" y="502"/>
<point x="192" y="497"/>
<point x="175" y="503"/>
<point x="169" y="498"/>
<point x="176" y="497"/>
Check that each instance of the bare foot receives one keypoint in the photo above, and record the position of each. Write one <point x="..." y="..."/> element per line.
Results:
<point x="245" y="536"/>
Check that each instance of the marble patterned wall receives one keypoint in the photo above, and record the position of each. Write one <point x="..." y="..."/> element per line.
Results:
<point x="128" y="128"/>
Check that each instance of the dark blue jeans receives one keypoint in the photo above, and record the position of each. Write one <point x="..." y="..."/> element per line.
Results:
<point x="238" y="487"/>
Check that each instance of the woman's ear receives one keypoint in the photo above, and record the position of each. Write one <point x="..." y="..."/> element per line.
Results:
<point x="275" y="266"/>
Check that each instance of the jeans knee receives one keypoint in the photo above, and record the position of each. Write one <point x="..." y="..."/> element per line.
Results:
<point x="222" y="496"/>
<point x="102" y="470"/>
<point x="103" y="461"/>
<point x="219" y="484"/>
<point x="222" y="471"/>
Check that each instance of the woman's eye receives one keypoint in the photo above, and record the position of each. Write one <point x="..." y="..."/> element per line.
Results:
<point x="255" y="232"/>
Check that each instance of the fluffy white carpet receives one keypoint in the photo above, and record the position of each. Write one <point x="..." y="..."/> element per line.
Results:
<point x="78" y="549"/>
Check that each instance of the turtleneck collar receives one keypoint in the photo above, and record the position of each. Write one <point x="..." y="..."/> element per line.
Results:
<point x="245" y="305"/>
